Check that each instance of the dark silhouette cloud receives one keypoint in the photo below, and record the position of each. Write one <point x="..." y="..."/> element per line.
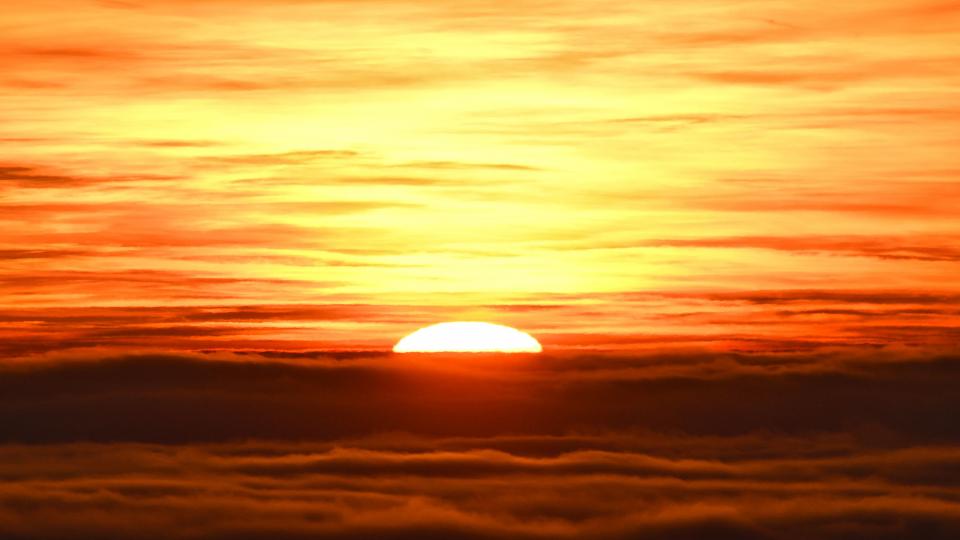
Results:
<point x="178" y="399"/>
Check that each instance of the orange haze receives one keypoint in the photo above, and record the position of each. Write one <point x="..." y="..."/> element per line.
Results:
<point x="297" y="175"/>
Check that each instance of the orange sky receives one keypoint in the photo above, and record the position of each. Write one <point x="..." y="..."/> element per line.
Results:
<point x="263" y="174"/>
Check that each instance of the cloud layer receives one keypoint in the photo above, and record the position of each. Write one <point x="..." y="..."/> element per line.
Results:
<point x="351" y="445"/>
<point x="409" y="487"/>
<point x="154" y="398"/>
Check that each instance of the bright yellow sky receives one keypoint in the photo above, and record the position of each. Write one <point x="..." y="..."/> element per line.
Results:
<point x="739" y="174"/>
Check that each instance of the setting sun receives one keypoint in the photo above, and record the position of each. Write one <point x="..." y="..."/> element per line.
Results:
<point x="468" y="337"/>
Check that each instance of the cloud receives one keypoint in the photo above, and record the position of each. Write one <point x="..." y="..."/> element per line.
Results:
<point x="879" y="297"/>
<point x="36" y="177"/>
<point x="286" y="490"/>
<point x="31" y="177"/>
<point x="16" y="254"/>
<point x="457" y="165"/>
<point x="599" y="446"/>
<point x="283" y="158"/>
<point x="175" y="143"/>
<point x="890" y="248"/>
<point x="830" y="76"/>
<point x="74" y="53"/>
<point x="891" y="199"/>
<point x="757" y="321"/>
<point x="166" y="398"/>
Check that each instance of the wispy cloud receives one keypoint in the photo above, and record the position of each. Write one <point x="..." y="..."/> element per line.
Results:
<point x="626" y="166"/>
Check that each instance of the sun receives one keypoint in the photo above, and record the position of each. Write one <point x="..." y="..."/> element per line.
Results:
<point x="468" y="337"/>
